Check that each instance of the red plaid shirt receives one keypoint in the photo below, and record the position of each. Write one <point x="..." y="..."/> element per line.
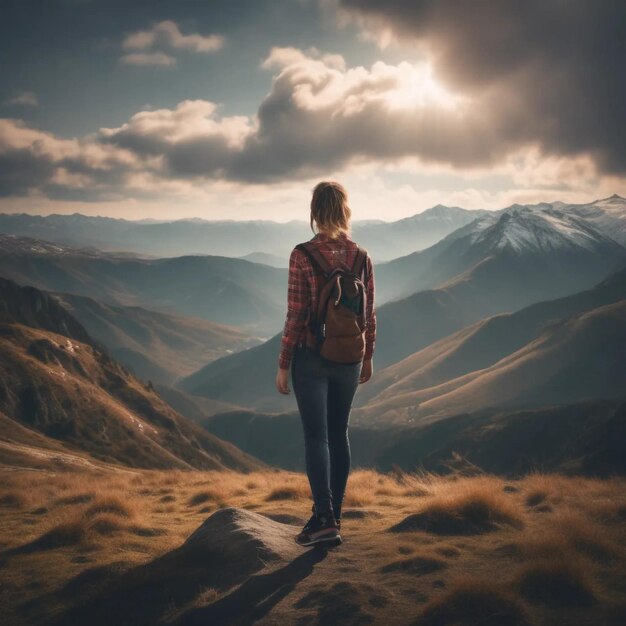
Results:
<point x="303" y="287"/>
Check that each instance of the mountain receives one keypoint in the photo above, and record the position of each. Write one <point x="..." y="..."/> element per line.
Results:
<point x="230" y="237"/>
<point x="607" y="215"/>
<point x="246" y="378"/>
<point x="31" y="307"/>
<point x="518" y="234"/>
<point x="385" y="240"/>
<point x="582" y="438"/>
<point x="192" y="407"/>
<point x="574" y="359"/>
<point x="273" y="260"/>
<point x="69" y="394"/>
<point x="219" y="289"/>
<point x="482" y="344"/>
<point x="157" y="346"/>
<point x="496" y="264"/>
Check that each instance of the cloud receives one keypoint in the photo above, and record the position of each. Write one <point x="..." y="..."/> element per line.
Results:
<point x="167" y="34"/>
<point x="25" y="98"/>
<point x="547" y="71"/>
<point x="148" y="58"/>
<point x="36" y="162"/>
<point x="319" y="114"/>
<point x="320" y="117"/>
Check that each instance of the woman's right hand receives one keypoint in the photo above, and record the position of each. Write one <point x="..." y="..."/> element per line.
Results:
<point x="282" y="381"/>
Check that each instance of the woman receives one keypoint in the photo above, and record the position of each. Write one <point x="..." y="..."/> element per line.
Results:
<point x="324" y="389"/>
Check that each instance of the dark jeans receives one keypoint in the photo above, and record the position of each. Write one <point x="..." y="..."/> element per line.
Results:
<point x="324" y="391"/>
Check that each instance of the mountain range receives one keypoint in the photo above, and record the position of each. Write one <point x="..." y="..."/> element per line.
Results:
<point x="497" y="264"/>
<point x="230" y="237"/>
<point x="488" y="332"/>
<point x="219" y="289"/>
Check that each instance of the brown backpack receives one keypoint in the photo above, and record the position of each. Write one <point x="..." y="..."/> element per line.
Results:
<point x="336" y="330"/>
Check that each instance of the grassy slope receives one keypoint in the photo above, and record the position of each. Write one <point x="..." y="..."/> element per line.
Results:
<point x="575" y="359"/>
<point x="465" y="550"/>
<point x="72" y="392"/>
<point x="484" y="343"/>
<point x="157" y="346"/>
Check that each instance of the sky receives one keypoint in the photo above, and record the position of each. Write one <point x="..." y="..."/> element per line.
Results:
<point x="235" y="110"/>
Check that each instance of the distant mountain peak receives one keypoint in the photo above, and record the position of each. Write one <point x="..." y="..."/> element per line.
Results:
<point x="528" y="229"/>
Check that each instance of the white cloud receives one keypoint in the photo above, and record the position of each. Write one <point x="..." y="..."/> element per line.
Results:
<point x="168" y="34"/>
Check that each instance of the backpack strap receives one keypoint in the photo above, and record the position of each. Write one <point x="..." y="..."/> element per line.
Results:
<point x="315" y="256"/>
<point x="360" y="267"/>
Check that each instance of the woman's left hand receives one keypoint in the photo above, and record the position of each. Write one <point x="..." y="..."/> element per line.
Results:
<point x="282" y="381"/>
<point x="366" y="371"/>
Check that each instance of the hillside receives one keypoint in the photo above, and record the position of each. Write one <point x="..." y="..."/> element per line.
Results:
<point x="70" y="391"/>
<point x="218" y="289"/>
<point x="578" y="358"/>
<point x="157" y="346"/>
<point x="484" y="343"/>
<point x="583" y="438"/>
<point x="418" y="344"/>
<point x="246" y="378"/>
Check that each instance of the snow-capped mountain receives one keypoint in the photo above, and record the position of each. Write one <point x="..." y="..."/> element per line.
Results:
<point x="607" y="215"/>
<point x="541" y="234"/>
<point x="524" y="229"/>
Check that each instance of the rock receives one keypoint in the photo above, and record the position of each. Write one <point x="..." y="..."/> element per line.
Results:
<point x="236" y="533"/>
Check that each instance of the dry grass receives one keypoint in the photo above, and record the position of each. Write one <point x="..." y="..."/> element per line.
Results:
<point x="473" y="506"/>
<point x="563" y="581"/>
<point x="56" y="529"/>
<point x="111" y="504"/>
<point x="469" y="603"/>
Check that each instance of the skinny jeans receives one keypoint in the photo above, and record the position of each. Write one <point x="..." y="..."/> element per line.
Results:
<point x="324" y="392"/>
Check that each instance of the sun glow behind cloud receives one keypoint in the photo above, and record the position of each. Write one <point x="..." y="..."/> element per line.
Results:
<point x="425" y="116"/>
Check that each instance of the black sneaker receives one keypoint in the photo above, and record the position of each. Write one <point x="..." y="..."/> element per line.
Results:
<point x="320" y="530"/>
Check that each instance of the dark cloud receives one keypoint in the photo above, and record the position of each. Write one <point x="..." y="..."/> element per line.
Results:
<point x="22" y="171"/>
<point x="547" y="70"/>
<point x="518" y="74"/>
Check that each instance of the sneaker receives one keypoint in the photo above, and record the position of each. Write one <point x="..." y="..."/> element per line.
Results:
<point x="320" y="529"/>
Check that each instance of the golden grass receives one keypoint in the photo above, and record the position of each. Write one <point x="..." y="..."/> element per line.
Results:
<point x="111" y="504"/>
<point x="466" y="526"/>
<point x="473" y="506"/>
<point x="469" y="602"/>
<point x="562" y="581"/>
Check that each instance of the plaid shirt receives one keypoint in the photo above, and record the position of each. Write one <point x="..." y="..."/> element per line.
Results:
<point x="303" y="288"/>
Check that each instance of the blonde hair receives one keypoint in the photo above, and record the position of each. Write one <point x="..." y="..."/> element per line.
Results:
<point x="329" y="209"/>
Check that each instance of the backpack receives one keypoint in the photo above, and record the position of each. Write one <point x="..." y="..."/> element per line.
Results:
<point x="336" y="330"/>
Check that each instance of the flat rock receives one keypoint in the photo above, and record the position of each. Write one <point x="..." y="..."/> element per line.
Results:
<point x="239" y="534"/>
